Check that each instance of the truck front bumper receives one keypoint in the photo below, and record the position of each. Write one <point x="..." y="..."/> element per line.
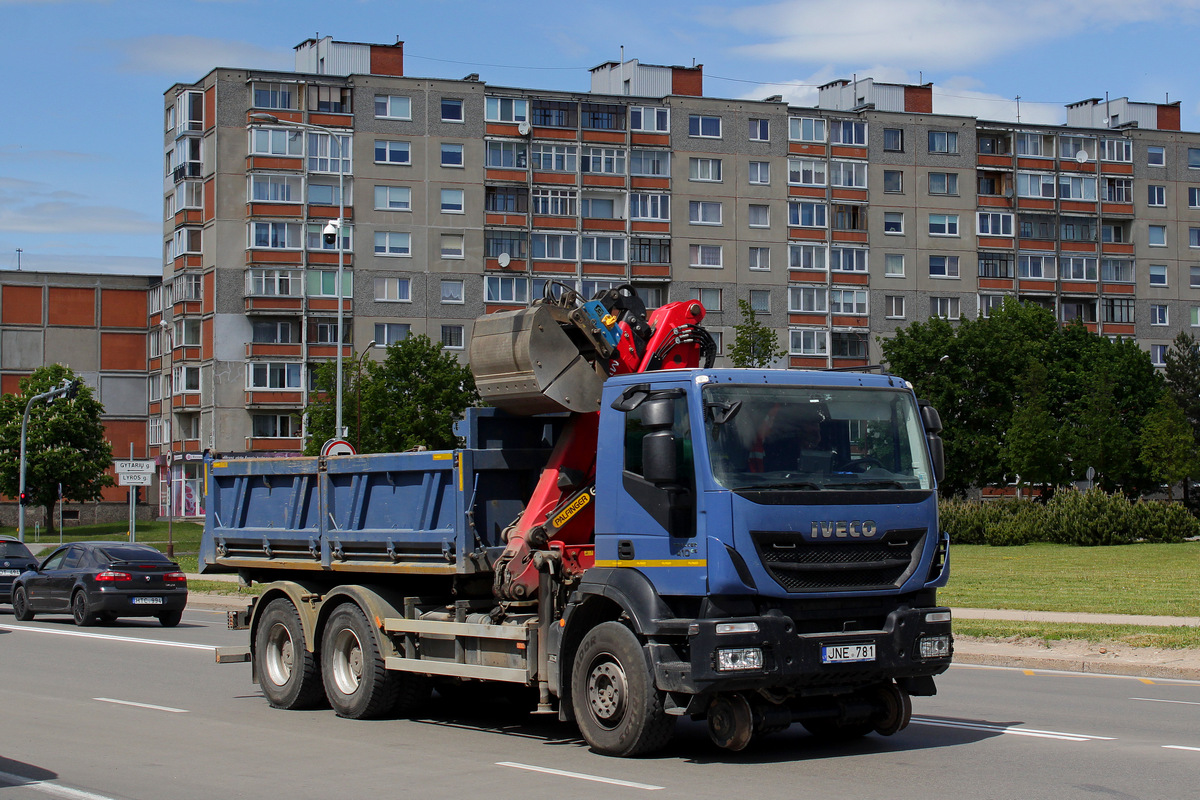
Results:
<point x="766" y="652"/>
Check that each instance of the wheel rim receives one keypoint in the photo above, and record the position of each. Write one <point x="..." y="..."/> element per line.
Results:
<point x="347" y="661"/>
<point x="79" y="607"/>
<point x="280" y="654"/>
<point x="19" y="602"/>
<point x="607" y="691"/>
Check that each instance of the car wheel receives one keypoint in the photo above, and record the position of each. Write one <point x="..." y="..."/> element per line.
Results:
<point x="20" y="604"/>
<point x="80" y="611"/>
<point x="170" y="619"/>
<point x="288" y="673"/>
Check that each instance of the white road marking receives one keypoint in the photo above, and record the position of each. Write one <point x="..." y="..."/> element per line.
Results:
<point x="1076" y="674"/>
<point x="49" y="787"/>
<point x="141" y="705"/>
<point x="982" y="726"/>
<point x="108" y="636"/>
<point x="1180" y="747"/>
<point x="1156" y="700"/>
<point x="580" y="775"/>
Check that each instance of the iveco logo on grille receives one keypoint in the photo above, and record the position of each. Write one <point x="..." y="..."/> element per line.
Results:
<point x="843" y="529"/>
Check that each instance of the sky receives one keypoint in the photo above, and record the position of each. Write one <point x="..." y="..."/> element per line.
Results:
<point x="82" y="81"/>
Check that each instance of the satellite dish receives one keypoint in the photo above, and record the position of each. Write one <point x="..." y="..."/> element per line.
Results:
<point x="523" y="128"/>
<point x="504" y="259"/>
<point x="1081" y="156"/>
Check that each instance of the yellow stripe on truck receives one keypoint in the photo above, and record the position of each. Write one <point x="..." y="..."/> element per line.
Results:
<point x="661" y="562"/>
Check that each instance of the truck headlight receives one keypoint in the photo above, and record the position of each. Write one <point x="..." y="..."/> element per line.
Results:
<point x="739" y="658"/>
<point x="934" y="646"/>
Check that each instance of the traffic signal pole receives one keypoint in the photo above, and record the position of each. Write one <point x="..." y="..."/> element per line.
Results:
<point x="68" y="388"/>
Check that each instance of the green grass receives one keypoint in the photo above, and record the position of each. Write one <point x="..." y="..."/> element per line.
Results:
<point x="1124" y="579"/>
<point x="1130" y="635"/>
<point x="186" y="535"/>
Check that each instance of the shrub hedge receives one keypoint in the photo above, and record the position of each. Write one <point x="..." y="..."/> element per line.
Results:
<point x="1087" y="519"/>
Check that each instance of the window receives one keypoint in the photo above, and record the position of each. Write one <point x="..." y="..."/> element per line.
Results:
<point x="1117" y="309"/>
<point x="893" y="222"/>
<point x="1077" y="268"/>
<point x="652" y="296"/>
<point x="701" y="213"/>
<point x="275" y="235"/>
<point x="893" y="265"/>
<point x="1158" y="355"/>
<point x="554" y="246"/>
<point x="275" y="95"/>
<point x="452" y="155"/>
<point x="504" y="289"/>
<point x="602" y="116"/>
<point x="809" y="343"/>
<point x="655" y="207"/>
<point x="893" y="181"/>
<point x="555" y="202"/>
<point x="393" y="107"/>
<point x="190" y="194"/>
<point x="276" y="142"/>
<point x="452" y="201"/>
<point x="1156" y="156"/>
<point x="392" y="290"/>
<point x="323" y="331"/>
<point x="807" y="215"/>
<point x="329" y="99"/>
<point x="187" y="287"/>
<point x="1157" y="235"/>
<point x="272" y="332"/>
<point x="992" y="145"/>
<point x="1158" y="314"/>
<point x="1193" y="158"/>
<point x="848" y="259"/>
<point x="321" y="193"/>
<point x="505" y="109"/>
<point x="808" y="299"/>
<point x="1030" y="184"/>
<point x="497" y="243"/>
<point x="1035" y="144"/>
<point x="274" y="375"/>
<point x="943" y="142"/>
<point x="995" y="224"/>
<point x="893" y="140"/>
<point x="274" y="188"/>
<point x="848" y="301"/>
<point x="187" y="333"/>
<point x="554" y="114"/>
<point x="607" y="249"/>
<point x="274" y="426"/>
<point x="603" y="160"/>
<point x="323" y="283"/>
<point x="943" y="183"/>
<point x="387" y="333"/>
<point x="1041" y="267"/>
<point x="650" y="251"/>
<point x="506" y="155"/>
<point x="806" y="256"/>
<point x="1194" y="277"/>
<point x="1114" y="232"/>
<point x="1076" y="188"/>
<point x="1116" y="150"/>
<point x="946" y="307"/>
<point x="393" y="198"/>
<point x="1193" y="237"/>
<point x="649" y="162"/>
<point x="760" y="130"/>
<point x="806" y="129"/>
<point x="506" y="199"/>
<point x="760" y="173"/>
<point x="943" y="266"/>
<point x="760" y="301"/>
<point x="554" y="157"/>
<point x="188" y="240"/>
<point x="155" y="431"/>
<point x="1156" y="195"/>
<point x="316" y="237"/>
<point x="996" y="265"/>
<point x="806" y="172"/>
<point x="648" y="119"/>
<point x="329" y="153"/>
<point x="704" y="169"/>
<point x="1194" y="197"/>
<point x="1116" y="270"/>
<point x="847" y="132"/>
<point x="388" y="152"/>
<point x="272" y="283"/>
<point x="893" y="306"/>
<point x="1158" y="274"/>
<point x="704" y="255"/>
<point x="393" y="243"/>
<point x="1036" y="227"/>
<point x="452" y="110"/>
<point x="943" y="224"/>
<point x="1072" y="146"/>
<point x="700" y="125"/>
<point x="759" y="216"/>
<point x="709" y="298"/>
<point x="1118" y="190"/>
<point x="760" y="258"/>
<point x="452" y="337"/>
<point x="452" y="291"/>
<point x="989" y="303"/>
<point x="849" y="174"/>
<point x="848" y="345"/>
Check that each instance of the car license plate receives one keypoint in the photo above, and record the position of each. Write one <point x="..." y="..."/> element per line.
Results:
<point x="7" y="572"/>
<point x="153" y="601"/>
<point x="847" y="653"/>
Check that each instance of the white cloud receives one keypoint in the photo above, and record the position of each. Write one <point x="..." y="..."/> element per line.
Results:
<point x="119" y="265"/>
<point x="29" y="207"/>
<point x="193" y="56"/>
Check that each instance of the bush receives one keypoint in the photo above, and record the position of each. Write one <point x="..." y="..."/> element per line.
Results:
<point x="1087" y="519"/>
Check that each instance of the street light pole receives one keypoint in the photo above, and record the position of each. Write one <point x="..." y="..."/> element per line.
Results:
<point x="166" y="328"/>
<point x="66" y="387"/>
<point x="339" y="429"/>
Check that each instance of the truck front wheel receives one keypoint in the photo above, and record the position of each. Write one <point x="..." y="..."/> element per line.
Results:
<point x="619" y="711"/>
<point x="288" y="673"/>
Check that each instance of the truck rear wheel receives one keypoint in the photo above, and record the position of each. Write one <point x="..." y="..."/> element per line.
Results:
<point x="357" y="683"/>
<point x="288" y="673"/>
<point x="617" y="707"/>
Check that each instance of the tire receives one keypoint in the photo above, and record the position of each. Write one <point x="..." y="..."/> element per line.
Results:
<point x="357" y="684"/>
<point x="288" y="674"/>
<point x="617" y="707"/>
<point x="20" y="604"/>
<point x="170" y="619"/>
<point x="80" y="611"/>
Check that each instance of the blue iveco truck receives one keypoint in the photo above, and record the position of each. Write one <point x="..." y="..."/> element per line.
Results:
<point x="749" y="547"/>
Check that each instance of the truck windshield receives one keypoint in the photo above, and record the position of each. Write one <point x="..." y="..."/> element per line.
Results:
<point x="808" y="438"/>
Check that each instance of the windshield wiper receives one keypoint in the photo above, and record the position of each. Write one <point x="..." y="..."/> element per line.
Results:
<point x="778" y="485"/>
<point x="867" y="485"/>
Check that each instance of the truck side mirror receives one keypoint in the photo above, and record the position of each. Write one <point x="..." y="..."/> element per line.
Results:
<point x="931" y="419"/>
<point x="937" y="454"/>
<point x="658" y="457"/>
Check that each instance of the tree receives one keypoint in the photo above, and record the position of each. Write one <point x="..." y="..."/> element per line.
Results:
<point x="1166" y="445"/>
<point x="1032" y="445"/>
<point x="754" y="345"/>
<point x="1183" y="377"/>
<point x="410" y="399"/>
<point x="64" y="444"/>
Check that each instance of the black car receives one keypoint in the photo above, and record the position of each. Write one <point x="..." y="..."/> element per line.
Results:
<point x="15" y="558"/>
<point x="96" y="581"/>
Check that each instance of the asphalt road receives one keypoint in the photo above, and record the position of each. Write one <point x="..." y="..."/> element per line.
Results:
<point x="133" y="710"/>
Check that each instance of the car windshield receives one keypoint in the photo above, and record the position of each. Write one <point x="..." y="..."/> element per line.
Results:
<point x="14" y="550"/>
<point x="127" y="553"/>
<point x="809" y="438"/>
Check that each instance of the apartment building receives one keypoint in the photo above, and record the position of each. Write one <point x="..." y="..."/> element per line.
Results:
<point x="838" y="224"/>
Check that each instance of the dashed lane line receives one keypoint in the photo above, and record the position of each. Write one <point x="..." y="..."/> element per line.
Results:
<point x="49" y="787"/>
<point x="580" y="776"/>
<point x="1159" y="700"/>
<point x="140" y="705"/>
<point x="1008" y="729"/>
<point x="107" y="636"/>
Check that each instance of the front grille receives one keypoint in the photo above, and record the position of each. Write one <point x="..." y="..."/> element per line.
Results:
<point x="799" y="565"/>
